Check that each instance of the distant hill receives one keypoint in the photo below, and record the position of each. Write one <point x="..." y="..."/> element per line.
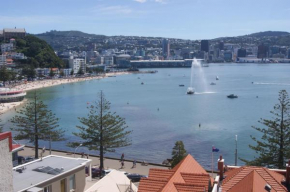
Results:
<point x="269" y="34"/>
<point x="61" y="40"/>
<point x="39" y="53"/>
<point x="80" y="41"/>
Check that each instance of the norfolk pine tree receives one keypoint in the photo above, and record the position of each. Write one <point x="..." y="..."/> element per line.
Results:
<point x="1" y="126"/>
<point x="274" y="147"/>
<point x="102" y="130"/>
<point x="36" y="122"/>
<point x="178" y="153"/>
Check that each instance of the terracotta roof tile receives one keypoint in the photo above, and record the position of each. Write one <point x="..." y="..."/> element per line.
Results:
<point x="151" y="185"/>
<point x="187" y="176"/>
<point x="181" y="187"/>
<point x="252" y="179"/>
<point x="160" y="174"/>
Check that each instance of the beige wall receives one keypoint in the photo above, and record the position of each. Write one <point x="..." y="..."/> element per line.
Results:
<point x="80" y="179"/>
<point x="6" y="179"/>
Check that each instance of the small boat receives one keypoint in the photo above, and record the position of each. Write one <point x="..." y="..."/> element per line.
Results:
<point x="212" y="83"/>
<point x="217" y="78"/>
<point x="181" y="85"/>
<point x="190" y="91"/>
<point x="142" y="83"/>
<point x="232" y="96"/>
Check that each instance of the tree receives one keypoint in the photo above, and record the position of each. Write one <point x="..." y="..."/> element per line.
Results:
<point x="4" y="74"/>
<point x="61" y="73"/>
<point x="51" y="73"/>
<point x="80" y="72"/>
<point x="178" y="153"/>
<point x="102" y="130"/>
<point x="72" y="72"/>
<point x="36" y="122"/>
<point x="274" y="147"/>
<point x="29" y="72"/>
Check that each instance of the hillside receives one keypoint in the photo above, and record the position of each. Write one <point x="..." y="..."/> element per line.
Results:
<point x="39" y="53"/>
<point x="62" y="40"/>
<point x="79" y="41"/>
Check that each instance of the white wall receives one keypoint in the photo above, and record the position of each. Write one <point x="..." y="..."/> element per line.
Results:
<point x="6" y="179"/>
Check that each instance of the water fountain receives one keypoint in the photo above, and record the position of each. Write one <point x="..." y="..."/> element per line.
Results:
<point x="194" y="64"/>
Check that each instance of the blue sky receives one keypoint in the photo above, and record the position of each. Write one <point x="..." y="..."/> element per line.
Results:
<point x="186" y="19"/>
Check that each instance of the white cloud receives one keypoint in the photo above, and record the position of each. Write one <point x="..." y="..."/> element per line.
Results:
<point x="140" y="1"/>
<point x="161" y="1"/>
<point x="123" y="10"/>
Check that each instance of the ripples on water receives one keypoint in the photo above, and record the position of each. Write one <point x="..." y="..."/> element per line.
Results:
<point x="179" y="115"/>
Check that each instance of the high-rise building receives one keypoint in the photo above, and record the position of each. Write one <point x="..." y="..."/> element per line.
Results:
<point x="263" y="51"/>
<point x="166" y="47"/>
<point x="242" y="52"/>
<point x="221" y="45"/>
<point x="204" y="46"/>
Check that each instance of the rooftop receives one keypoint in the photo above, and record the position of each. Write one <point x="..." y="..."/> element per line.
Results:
<point x="40" y="171"/>
<point x="188" y="175"/>
<point x="14" y="30"/>
<point x="252" y="179"/>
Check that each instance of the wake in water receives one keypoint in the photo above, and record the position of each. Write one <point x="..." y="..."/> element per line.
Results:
<point x="202" y="93"/>
<point x="257" y="83"/>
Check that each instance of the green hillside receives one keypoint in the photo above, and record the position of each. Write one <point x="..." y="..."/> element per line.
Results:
<point x="39" y="53"/>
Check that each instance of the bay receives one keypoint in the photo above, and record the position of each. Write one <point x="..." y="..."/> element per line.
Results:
<point x="179" y="115"/>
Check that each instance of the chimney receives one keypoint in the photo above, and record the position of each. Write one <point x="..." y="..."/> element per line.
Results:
<point x="288" y="173"/>
<point x="221" y="167"/>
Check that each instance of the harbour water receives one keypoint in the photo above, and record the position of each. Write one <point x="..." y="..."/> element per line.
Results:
<point x="179" y="115"/>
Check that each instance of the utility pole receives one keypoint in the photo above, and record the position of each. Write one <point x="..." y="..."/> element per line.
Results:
<point x="236" y="153"/>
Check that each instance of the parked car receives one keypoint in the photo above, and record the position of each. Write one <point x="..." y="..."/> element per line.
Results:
<point x="22" y="159"/>
<point x="134" y="177"/>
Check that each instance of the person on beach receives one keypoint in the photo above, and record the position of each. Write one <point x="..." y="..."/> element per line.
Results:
<point x="122" y="165"/>
<point x="122" y="157"/>
<point x="134" y="164"/>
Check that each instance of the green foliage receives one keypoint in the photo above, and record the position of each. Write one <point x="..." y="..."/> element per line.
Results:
<point x="102" y="130"/>
<point x="61" y="73"/>
<point x="5" y="74"/>
<point x="178" y="153"/>
<point x="39" y="52"/>
<point x="51" y="73"/>
<point x="274" y="147"/>
<point x="72" y="72"/>
<point x="29" y="71"/>
<point x="35" y="122"/>
<point x="80" y="72"/>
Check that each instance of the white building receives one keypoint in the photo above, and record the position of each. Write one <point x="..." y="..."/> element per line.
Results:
<point x="6" y="178"/>
<point x="6" y="47"/>
<point x="115" y="181"/>
<point x="76" y="64"/>
<point x="3" y="60"/>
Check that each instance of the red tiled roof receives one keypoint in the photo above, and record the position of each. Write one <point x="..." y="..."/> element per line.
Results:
<point x="151" y="185"/>
<point x="252" y="179"/>
<point x="186" y="176"/>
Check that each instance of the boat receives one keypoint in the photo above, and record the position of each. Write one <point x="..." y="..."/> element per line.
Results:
<point x="11" y="95"/>
<point x="212" y="83"/>
<point x="205" y="65"/>
<point x="232" y="96"/>
<point x="142" y="83"/>
<point x="190" y="91"/>
<point x="181" y="85"/>
<point x="217" y="78"/>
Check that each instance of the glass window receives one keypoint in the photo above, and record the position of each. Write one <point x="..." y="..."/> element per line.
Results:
<point x="47" y="189"/>
<point x="62" y="186"/>
<point x="72" y="182"/>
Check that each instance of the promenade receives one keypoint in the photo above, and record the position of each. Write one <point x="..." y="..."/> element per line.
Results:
<point x="109" y="163"/>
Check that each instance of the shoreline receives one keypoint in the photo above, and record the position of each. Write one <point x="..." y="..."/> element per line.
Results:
<point x="5" y="107"/>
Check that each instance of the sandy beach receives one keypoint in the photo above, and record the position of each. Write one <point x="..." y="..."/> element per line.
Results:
<point x="31" y="85"/>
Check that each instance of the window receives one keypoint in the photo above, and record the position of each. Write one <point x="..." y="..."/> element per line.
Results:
<point x="62" y="186"/>
<point x="47" y="189"/>
<point x="72" y="182"/>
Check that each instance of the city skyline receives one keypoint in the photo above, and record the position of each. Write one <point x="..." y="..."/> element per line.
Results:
<point x="185" y="19"/>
